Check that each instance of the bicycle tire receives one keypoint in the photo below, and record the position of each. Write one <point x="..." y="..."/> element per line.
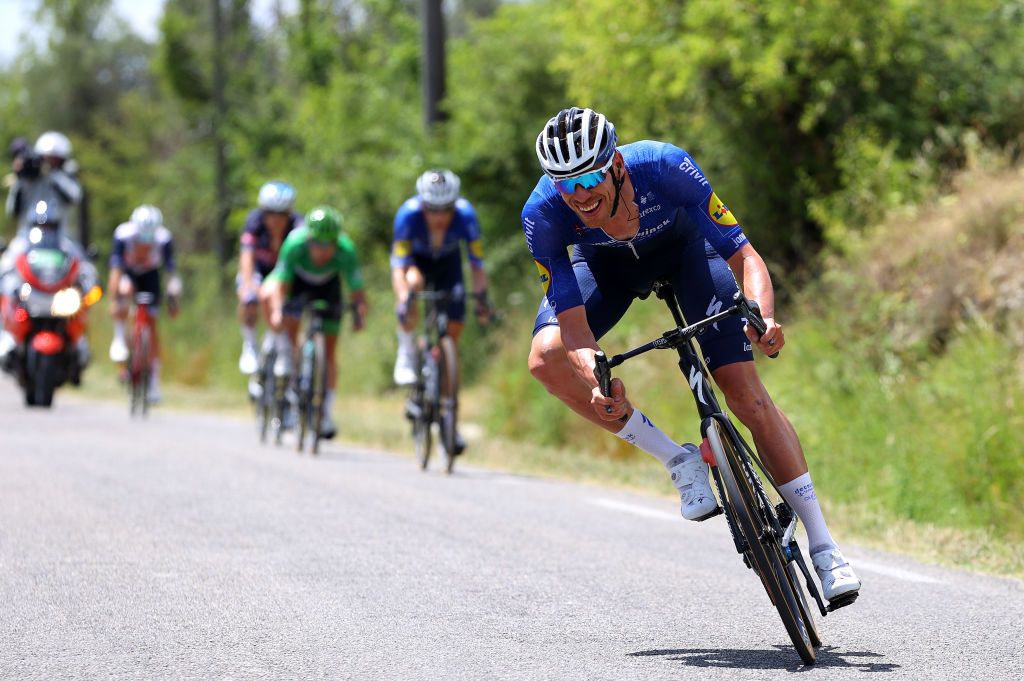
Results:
<point x="795" y="577"/>
<point x="421" y="425"/>
<point x="448" y="413"/>
<point x="302" y="415"/>
<point x="264" y="408"/>
<point x="318" y="388"/>
<point x="765" y="556"/>
<point x="139" y="371"/>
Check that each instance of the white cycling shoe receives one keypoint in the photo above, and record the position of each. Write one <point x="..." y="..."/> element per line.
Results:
<point x="248" y="362"/>
<point x="835" y="574"/>
<point x="405" y="368"/>
<point x="118" y="350"/>
<point x="690" y="476"/>
<point x="153" y="395"/>
<point x="328" y="429"/>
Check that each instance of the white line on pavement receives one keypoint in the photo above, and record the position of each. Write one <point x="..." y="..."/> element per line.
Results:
<point x="642" y="511"/>
<point x="868" y="566"/>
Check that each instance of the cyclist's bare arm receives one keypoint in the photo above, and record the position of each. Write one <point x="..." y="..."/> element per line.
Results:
<point x="751" y="272"/>
<point x="113" y="286"/>
<point x="580" y="346"/>
<point x="246" y="268"/>
<point x="359" y="300"/>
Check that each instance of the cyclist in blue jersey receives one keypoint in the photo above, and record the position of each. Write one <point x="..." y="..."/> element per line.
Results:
<point x="260" y="243"/>
<point x="426" y="251"/>
<point x="631" y="215"/>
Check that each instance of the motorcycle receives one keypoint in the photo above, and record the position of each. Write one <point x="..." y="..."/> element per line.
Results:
<point x="44" y="303"/>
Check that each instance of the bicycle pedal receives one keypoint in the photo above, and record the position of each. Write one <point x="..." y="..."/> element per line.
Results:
<point x="842" y="601"/>
<point x="709" y="516"/>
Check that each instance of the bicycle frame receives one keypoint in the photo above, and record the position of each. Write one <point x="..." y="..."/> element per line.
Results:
<point x="712" y="415"/>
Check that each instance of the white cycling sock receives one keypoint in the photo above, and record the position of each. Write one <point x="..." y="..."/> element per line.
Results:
<point x="406" y="340"/>
<point x="249" y="335"/>
<point x="328" y="401"/>
<point x="799" y="493"/>
<point x="119" y="329"/>
<point x="641" y="431"/>
<point x="154" y="373"/>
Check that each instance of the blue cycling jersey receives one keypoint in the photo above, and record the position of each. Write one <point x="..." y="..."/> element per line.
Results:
<point x="411" y="239"/>
<point x="673" y="197"/>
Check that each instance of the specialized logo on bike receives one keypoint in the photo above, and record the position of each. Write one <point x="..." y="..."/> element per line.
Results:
<point x="720" y="213"/>
<point x="545" y="276"/>
<point x="697" y="383"/>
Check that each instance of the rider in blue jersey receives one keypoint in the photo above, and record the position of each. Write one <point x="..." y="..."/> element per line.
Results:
<point x="633" y="215"/>
<point x="426" y="250"/>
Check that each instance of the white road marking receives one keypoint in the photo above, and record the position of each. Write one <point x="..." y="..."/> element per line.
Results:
<point x="642" y="511"/>
<point x="897" y="573"/>
<point x="858" y="564"/>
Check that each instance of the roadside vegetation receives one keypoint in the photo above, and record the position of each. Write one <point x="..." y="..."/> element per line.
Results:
<point x="871" y="151"/>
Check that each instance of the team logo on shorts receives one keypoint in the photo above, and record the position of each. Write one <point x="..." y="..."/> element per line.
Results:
<point x="720" y="213"/>
<point x="545" y="276"/>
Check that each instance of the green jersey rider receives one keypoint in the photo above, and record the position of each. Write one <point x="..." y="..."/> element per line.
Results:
<point x="312" y="262"/>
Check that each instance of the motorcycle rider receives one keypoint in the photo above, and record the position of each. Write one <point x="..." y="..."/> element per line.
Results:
<point x="44" y="228"/>
<point x="46" y="173"/>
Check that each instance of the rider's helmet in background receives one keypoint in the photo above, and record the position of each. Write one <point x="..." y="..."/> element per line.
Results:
<point x="276" y="197"/>
<point x="438" y="188"/>
<point x="575" y="141"/>
<point x="324" y="224"/>
<point x="55" y="144"/>
<point x="147" y="220"/>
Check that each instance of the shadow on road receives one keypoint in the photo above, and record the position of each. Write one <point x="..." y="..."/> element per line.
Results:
<point x="782" y="657"/>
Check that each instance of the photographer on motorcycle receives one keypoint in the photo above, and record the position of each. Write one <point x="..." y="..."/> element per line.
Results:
<point x="43" y="173"/>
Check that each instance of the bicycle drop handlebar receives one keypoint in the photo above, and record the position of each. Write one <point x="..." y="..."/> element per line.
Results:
<point x="677" y="337"/>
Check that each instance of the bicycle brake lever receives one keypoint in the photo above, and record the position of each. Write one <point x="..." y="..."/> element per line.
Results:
<point x="752" y="313"/>
<point x="603" y="374"/>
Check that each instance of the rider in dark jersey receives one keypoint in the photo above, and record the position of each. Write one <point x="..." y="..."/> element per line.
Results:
<point x="264" y="233"/>
<point x="633" y="215"/>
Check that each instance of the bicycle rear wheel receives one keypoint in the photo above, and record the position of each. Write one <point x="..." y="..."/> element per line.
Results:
<point x="318" y="385"/>
<point x="764" y="554"/>
<point x="448" y="373"/>
<point x="139" y="370"/>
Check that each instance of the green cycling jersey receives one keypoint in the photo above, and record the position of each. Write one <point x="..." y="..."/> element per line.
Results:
<point x="295" y="262"/>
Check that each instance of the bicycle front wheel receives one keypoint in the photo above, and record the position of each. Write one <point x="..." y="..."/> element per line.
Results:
<point x="318" y="384"/>
<point x="448" y="369"/>
<point x="426" y="399"/>
<point x="763" y="550"/>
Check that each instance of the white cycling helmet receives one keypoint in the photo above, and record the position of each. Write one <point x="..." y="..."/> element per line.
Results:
<point x="147" y="219"/>
<point x="276" y="197"/>
<point x="575" y="141"/>
<point x="53" y="143"/>
<point x="438" y="188"/>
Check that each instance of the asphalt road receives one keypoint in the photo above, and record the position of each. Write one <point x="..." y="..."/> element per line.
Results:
<point x="180" y="548"/>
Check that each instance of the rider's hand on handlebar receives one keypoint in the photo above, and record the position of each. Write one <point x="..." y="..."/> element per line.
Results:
<point x="773" y="339"/>
<point x="619" y="404"/>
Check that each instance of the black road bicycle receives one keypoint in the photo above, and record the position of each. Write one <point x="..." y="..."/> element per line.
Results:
<point x="434" y="398"/>
<point x="762" y="531"/>
<point x="311" y="383"/>
<point x="271" y="403"/>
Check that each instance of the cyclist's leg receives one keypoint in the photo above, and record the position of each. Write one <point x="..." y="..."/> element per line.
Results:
<point x="330" y="292"/>
<point x="729" y="358"/>
<point x="119" y="313"/>
<point x="407" y="314"/>
<point x="248" y="315"/>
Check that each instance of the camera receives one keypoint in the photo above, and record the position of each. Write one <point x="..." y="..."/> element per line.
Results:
<point x="31" y="165"/>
